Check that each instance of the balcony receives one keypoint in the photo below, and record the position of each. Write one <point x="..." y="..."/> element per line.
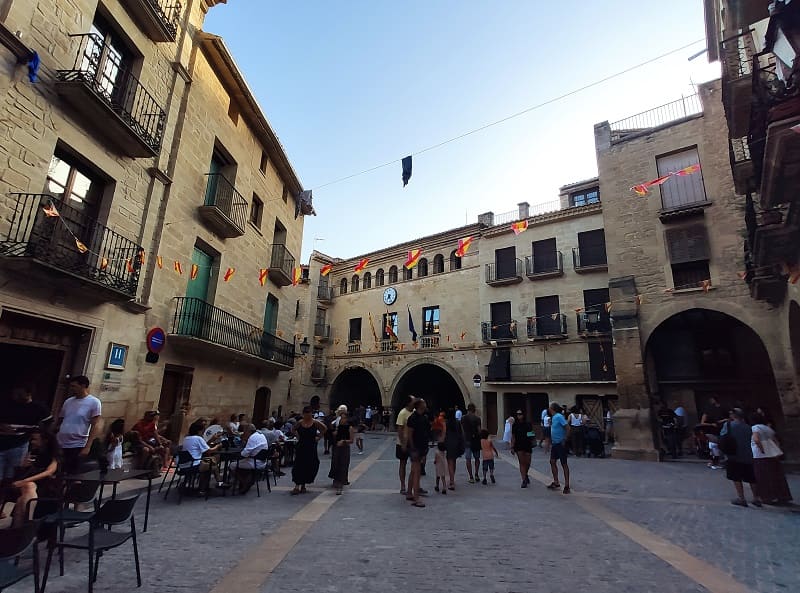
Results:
<point x="741" y="165"/>
<point x="322" y="332"/>
<point x="281" y="265"/>
<point x="354" y="348"/>
<point x="774" y="240"/>
<point x="736" y="55"/>
<point x="199" y="324"/>
<point x="108" y="270"/>
<point x="589" y="260"/>
<point x="593" y="322"/>
<point x="427" y="342"/>
<point x="547" y="327"/>
<point x="157" y="18"/>
<point x="224" y="209"/>
<point x="579" y="371"/>
<point x="325" y="294"/>
<point x="319" y="370"/>
<point x="111" y="100"/>
<point x="504" y="273"/>
<point x="548" y="266"/>
<point x="498" y="331"/>
<point x="649" y="120"/>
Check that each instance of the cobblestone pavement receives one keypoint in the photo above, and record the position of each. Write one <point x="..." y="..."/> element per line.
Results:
<point x="627" y="526"/>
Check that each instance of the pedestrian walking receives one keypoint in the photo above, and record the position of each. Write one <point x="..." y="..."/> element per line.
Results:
<point x="507" y="432"/>
<point x="79" y="424"/>
<point x="21" y="410"/>
<point x="488" y="453"/>
<point x="440" y="464"/>
<point x="735" y="441"/>
<point x="770" y="478"/>
<point x="306" y="458"/>
<point x="360" y="439"/>
<point x="400" y="449"/>
<point x="559" y="432"/>
<point x="471" y="425"/>
<point x="522" y="437"/>
<point x="545" y="442"/>
<point x="340" y="457"/>
<point x="454" y="444"/>
<point x="417" y="437"/>
<point x="576" y="426"/>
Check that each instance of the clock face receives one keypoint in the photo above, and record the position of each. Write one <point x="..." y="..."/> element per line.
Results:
<point x="389" y="296"/>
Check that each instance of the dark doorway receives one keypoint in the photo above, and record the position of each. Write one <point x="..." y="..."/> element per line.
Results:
<point x="35" y="368"/>
<point x="355" y="387"/>
<point x="176" y="387"/>
<point x="531" y="405"/>
<point x="490" y="411"/>
<point x="261" y="405"/>
<point x="432" y="383"/>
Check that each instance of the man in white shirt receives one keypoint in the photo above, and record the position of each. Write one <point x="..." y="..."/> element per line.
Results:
<point x="272" y="434"/>
<point x="196" y="446"/>
<point x="254" y="443"/>
<point x="368" y="417"/>
<point x="545" y="442"/>
<point x="459" y="414"/>
<point x="79" y="423"/>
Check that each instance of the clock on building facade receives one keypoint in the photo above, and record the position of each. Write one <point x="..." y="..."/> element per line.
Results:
<point x="389" y="296"/>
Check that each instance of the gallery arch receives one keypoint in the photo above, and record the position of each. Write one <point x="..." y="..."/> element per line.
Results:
<point x="354" y="387"/>
<point x="431" y="382"/>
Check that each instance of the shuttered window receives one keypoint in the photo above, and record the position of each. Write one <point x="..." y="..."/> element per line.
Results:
<point x="687" y="244"/>
<point x="680" y="191"/>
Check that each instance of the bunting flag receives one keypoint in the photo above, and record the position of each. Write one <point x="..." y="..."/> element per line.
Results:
<point x="706" y="284"/>
<point x="297" y="274"/>
<point x="742" y="275"/>
<point x="372" y="327"/>
<point x="642" y="189"/>
<point x="579" y="309"/>
<point x="411" y="329"/>
<point x="279" y="333"/>
<point x="463" y="246"/>
<point x="229" y="274"/>
<point x="193" y="271"/>
<point x="554" y="316"/>
<point x="406" y="170"/>
<point x="461" y="335"/>
<point x="639" y="299"/>
<point x="361" y="265"/>
<point x="103" y="263"/>
<point x="519" y="227"/>
<point x="262" y="276"/>
<point x="129" y="266"/>
<point x="607" y="307"/>
<point x="50" y="210"/>
<point x="326" y="269"/>
<point x="413" y="258"/>
<point x="159" y="262"/>
<point x="688" y="170"/>
<point x="141" y="256"/>
<point x="179" y="268"/>
<point x="81" y="247"/>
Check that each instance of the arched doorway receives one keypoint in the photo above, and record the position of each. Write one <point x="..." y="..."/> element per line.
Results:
<point x="794" y="335"/>
<point x="430" y="382"/>
<point x="355" y="387"/>
<point x="699" y="353"/>
<point x="261" y="405"/>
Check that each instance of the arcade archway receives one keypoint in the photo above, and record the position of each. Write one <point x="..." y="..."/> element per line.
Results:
<point x="355" y="387"/>
<point x="431" y="382"/>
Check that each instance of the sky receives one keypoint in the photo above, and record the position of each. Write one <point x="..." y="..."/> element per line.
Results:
<point x="354" y="84"/>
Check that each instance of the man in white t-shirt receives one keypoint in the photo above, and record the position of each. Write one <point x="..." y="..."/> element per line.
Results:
<point x="368" y="417"/>
<point x="254" y="443"/>
<point x="201" y="452"/>
<point x="400" y="450"/>
<point x="459" y="414"/>
<point x="79" y="423"/>
<point x="545" y="442"/>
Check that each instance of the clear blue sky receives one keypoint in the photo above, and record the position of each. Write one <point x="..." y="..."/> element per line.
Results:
<point x="349" y="85"/>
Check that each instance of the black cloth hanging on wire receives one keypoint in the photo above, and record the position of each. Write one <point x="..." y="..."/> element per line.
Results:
<point x="302" y="204"/>
<point x="406" y="170"/>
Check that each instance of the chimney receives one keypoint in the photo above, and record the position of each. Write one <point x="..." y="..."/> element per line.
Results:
<point x="524" y="210"/>
<point x="486" y="218"/>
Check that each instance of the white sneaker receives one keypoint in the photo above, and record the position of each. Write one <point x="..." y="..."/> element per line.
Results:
<point x="716" y="467"/>
<point x="360" y="452"/>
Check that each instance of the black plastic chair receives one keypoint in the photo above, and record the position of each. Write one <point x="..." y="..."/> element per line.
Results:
<point x="173" y="465"/>
<point x="187" y="473"/>
<point x="15" y="542"/>
<point x="66" y="518"/>
<point x="264" y="455"/>
<point x="99" y="539"/>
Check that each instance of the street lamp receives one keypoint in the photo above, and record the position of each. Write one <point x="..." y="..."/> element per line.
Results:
<point x="304" y="346"/>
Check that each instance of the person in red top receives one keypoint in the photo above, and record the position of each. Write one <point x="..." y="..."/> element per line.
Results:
<point x="147" y="428"/>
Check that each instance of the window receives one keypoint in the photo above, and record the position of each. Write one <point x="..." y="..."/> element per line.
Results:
<point x="548" y="316"/>
<point x="392" y="274"/>
<point x="113" y="64"/>
<point x="271" y="314"/>
<point x="423" y="268"/>
<point x="438" y="264"/>
<point x="595" y="299"/>
<point x="379" y="277"/>
<point x="256" y="210"/>
<point x="354" y="283"/>
<point x="367" y="280"/>
<point x="585" y="197"/>
<point x="262" y="166"/>
<point x="72" y="182"/>
<point x="592" y="248"/>
<point x="501" y="321"/>
<point x="681" y="191"/>
<point x="408" y="273"/>
<point x="285" y="194"/>
<point x="343" y="286"/>
<point x="545" y="256"/>
<point x="392" y="322"/>
<point x="233" y="111"/>
<point x="455" y="261"/>
<point x="505" y="261"/>
<point x="355" y="330"/>
<point x="430" y="321"/>
<point x="688" y="254"/>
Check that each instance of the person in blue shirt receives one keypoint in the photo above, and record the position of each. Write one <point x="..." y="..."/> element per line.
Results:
<point x="559" y="433"/>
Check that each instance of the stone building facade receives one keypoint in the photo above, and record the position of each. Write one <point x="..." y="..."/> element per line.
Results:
<point x="141" y="132"/>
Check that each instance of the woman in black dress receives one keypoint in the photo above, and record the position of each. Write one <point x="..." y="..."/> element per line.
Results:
<point x="340" y="459"/>
<point x="306" y="460"/>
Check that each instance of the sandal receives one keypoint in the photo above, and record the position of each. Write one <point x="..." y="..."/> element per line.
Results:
<point x="303" y="490"/>
<point x="554" y="486"/>
<point x="451" y="487"/>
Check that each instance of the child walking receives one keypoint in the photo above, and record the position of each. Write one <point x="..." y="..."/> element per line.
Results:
<point x="440" y="463"/>
<point x="488" y="453"/>
<point x="360" y="438"/>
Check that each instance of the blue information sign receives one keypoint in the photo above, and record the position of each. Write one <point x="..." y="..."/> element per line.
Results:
<point x="117" y="355"/>
<point x="156" y="338"/>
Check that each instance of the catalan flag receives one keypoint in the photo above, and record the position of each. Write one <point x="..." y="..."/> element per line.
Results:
<point x="262" y="276"/>
<point x="519" y="227"/>
<point x="159" y="262"/>
<point x="229" y="274"/>
<point x="193" y="272"/>
<point x="413" y="258"/>
<point x="326" y="269"/>
<point x="297" y="274"/>
<point x="178" y="267"/>
<point x="81" y="247"/>
<point x="361" y="265"/>
<point x="688" y="170"/>
<point x="388" y="328"/>
<point x="463" y="246"/>
<point x="50" y="210"/>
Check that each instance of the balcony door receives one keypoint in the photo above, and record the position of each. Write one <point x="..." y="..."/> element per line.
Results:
<point x="196" y="311"/>
<point x="501" y="321"/>
<point x="110" y="60"/>
<point x="215" y="168"/>
<point x="545" y="258"/>
<point x="506" y="262"/>
<point x="546" y="308"/>
<point x="271" y="314"/>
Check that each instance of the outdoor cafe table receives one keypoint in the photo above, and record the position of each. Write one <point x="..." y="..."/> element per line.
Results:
<point x="114" y="477"/>
<point x="226" y="457"/>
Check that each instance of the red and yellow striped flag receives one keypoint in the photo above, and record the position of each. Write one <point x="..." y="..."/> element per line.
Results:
<point x="463" y="246"/>
<point x="103" y="263"/>
<point x="413" y="258"/>
<point x="229" y="274"/>
<point x="607" y="307"/>
<point x="326" y="269"/>
<point x="141" y="257"/>
<point x="129" y="266"/>
<point x="706" y="284"/>
<point x="688" y="170"/>
<point x="50" y="210"/>
<point x="178" y="267"/>
<point x="519" y="227"/>
<point x="262" y="276"/>
<point x="159" y="262"/>
<point x="193" y="271"/>
<point x="297" y="274"/>
<point x="361" y="265"/>
<point x="81" y="247"/>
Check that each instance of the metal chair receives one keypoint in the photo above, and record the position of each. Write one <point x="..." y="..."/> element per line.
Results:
<point x="173" y="465"/>
<point x="99" y="539"/>
<point x="14" y="542"/>
<point x="264" y="455"/>
<point x="187" y="471"/>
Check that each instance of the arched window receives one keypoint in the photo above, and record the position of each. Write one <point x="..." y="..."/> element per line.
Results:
<point x="343" y="286"/>
<point x="438" y="264"/>
<point x="455" y="261"/>
<point x="379" y="277"/>
<point x="367" y="280"/>
<point x="408" y="274"/>
<point x="392" y="274"/>
<point x="354" y="283"/>
<point x="422" y="266"/>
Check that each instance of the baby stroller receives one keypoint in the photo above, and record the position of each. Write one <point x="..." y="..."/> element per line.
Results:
<point x="594" y="442"/>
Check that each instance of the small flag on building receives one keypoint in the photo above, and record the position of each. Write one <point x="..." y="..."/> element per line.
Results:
<point x="411" y="329"/>
<point x="361" y="265"/>
<point x="607" y="307"/>
<point x="141" y="256"/>
<point x="193" y="271"/>
<point x="129" y="266"/>
<point x="406" y="170"/>
<point x="229" y="274"/>
<point x="50" y="210"/>
<point x="463" y="246"/>
<point x="519" y="227"/>
<point x="706" y="284"/>
<point x="262" y="276"/>
<point x="413" y="258"/>
<point x="178" y="267"/>
<point x="688" y="170"/>
<point x="103" y="263"/>
<point x="297" y="274"/>
<point x="159" y="262"/>
<point x="81" y="247"/>
<point x="325" y="270"/>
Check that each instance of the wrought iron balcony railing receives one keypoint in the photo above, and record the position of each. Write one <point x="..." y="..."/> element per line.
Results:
<point x="547" y="326"/>
<point x="659" y="116"/>
<point x="737" y="55"/>
<point x="585" y="260"/>
<point x="429" y="341"/>
<point x="224" y="207"/>
<point x="550" y="264"/>
<point x="558" y="372"/>
<point x="196" y="318"/>
<point x="505" y="272"/>
<point x="102" y="70"/>
<point x="354" y="348"/>
<point x="499" y="330"/>
<point x="324" y="293"/>
<point x="111" y="260"/>
<point x="594" y="321"/>
<point x="281" y="265"/>
<point x="389" y="345"/>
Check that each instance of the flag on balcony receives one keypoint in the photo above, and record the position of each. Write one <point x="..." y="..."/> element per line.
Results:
<point x="406" y="170"/>
<point x="326" y="269"/>
<point x="262" y="276"/>
<point x="372" y="327"/>
<point x="179" y="268"/>
<point x="388" y="329"/>
<point x="103" y="263"/>
<point x="411" y="329"/>
<point x="297" y="274"/>
<point x="519" y="227"/>
<point x="361" y="265"/>
<point x="413" y="258"/>
<point x="229" y="274"/>
<point x="50" y="210"/>
<point x="159" y="262"/>
<point x="463" y="246"/>
<point x="192" y="272"/>
<point x="129" y="266"/>
<point x="81" y="247"/>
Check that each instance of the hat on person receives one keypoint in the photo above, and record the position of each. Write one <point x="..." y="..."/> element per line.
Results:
<point x="341" y="410"/>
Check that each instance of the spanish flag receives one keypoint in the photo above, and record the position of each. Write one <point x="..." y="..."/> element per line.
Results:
<point x="193" y="272"/>
<point x="413" y="258"/>
<point x="262" y="276"/>
<point x="229" y="274"/>
<point x="326" y="269"/>
<point x="297" y="273"/>
<point x="103" y="263"/>
<point x="688" y="170"/>
<point x="178" y="267"/>
<point x="50" y="210"/>
<point x="159" y="262"/>
<point x="463" y="246"/>
<point x="361" y="265"/>
<point x="81" y="247"/>
<point x="129" y="266"/>
<point x="519" y="227"/>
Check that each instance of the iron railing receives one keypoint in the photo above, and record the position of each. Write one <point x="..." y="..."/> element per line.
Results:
<point x="103" y="70"/>
<point x="354" y="348"/>
<point x="737" y="55"/>
<point x="281" y="259"/>
<point x="594" y="320"/>
<point x="550" y="263"/>
<point x="221" y="194"/>
<point x="504" y="270"/>
<point x="547" y="326"/>
<point x="739" y="150"/>
<point x="111" y="260"/>
<point x="322" y="330"/>
<point x="506" y="217"/>
<point x="318" y="368"/>
<point x="389" y="345"/>
<point x="169" y="13"/>
<point x="429" y="341"/>
<point x="558" y="372"/>
<point x="499" y="330"/>
<point x="198" y="319"/>
<point x="589" y="258"/>
<point x="324" y="293"/>
<point x="658" y="116"/>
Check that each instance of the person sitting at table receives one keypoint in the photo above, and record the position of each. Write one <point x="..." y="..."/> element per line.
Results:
<point x="147" y="428"/>
<point x="202" y="454"/>
<point x="254" y="443"/>
<point x="272" y="434"/>
<point x="233" y="427"/>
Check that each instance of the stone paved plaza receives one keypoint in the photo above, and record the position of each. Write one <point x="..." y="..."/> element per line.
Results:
<point x="627" y="526"/>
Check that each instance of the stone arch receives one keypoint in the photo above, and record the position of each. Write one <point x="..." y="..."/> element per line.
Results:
<point x="404" y="373"/>
<point x="356" y="385"/>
